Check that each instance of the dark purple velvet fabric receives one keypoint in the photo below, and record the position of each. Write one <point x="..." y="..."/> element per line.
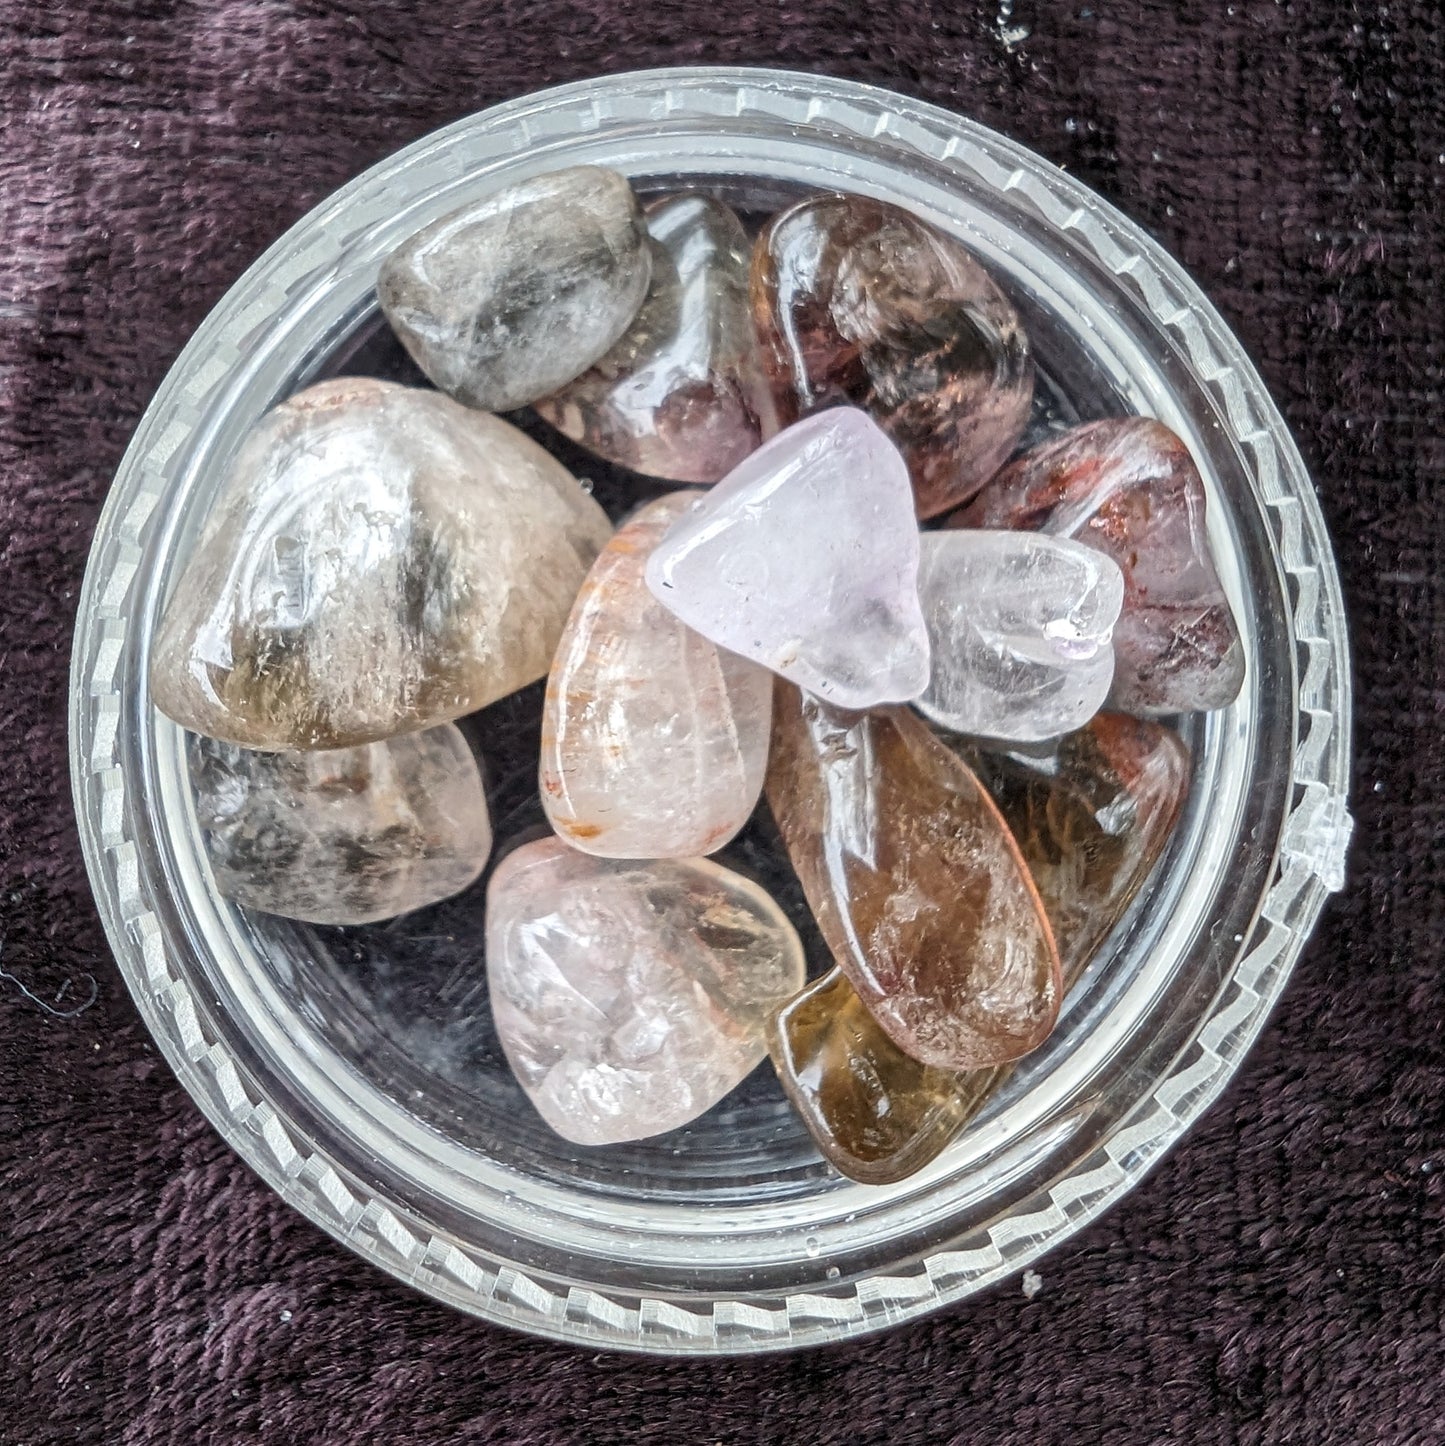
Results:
<point x="1280" y="1278"/>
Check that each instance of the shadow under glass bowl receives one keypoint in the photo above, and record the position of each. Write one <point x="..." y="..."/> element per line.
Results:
<point x="356" y="1070"/>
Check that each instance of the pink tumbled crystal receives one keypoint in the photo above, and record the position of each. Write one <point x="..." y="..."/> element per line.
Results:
<point x="805" y="559"/>
<point x="1129" y="488"/>
<point x="654" y="740"/>
<point x="682" y="394"/>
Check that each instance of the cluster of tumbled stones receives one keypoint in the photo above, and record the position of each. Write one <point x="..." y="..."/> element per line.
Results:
<point x="955" y="726"/>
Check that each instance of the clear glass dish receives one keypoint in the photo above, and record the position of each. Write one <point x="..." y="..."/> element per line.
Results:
<point x="356" y="1071"/>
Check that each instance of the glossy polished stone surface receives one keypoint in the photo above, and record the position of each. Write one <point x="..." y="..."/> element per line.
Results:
<point x="654" y="741"/>
<point x="876" y="1114"/>
<point x="1092" y="818"/>
<point x="379" y="559"/>
<point x="1020" y="627"/>
<point x="509" y="297"/>
<point x="918" y="887"/>
<point x="805" y="559"/>
<point x="858" y="301"/>
<point x="682" y="394"/>
<point x="1129" y="488"/>
<point x="629" y="996"/>
<point x="343" y="836"/>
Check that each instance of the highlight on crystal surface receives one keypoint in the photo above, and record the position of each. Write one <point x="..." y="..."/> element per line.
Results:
<point x="654" y="740"/>
<point x="631" y="996"/>
<point x="862" y="302"/>
<point x="917" y="885"/>
<point x="1092" y="817"/>
<point x="1129" y="488"/>
<point x="510" y="296"/>
<point x="682" y="394"/>
<point x="347" y="835"/>
<point x="805" y="559"/>
<point x="379" y="559"/>
<point x="1019" y="625"/>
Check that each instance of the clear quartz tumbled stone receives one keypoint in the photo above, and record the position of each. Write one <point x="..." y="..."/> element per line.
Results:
<point x="379" y="559"/>
<point x="343" y="835"/>
<point x="510" y="296"/>
<point x="1020" y="626"/>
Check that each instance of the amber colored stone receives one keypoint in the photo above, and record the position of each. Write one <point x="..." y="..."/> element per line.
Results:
<point x="858" y="301"/>
<point x="1129" y="488"/>
<point x="916" y="883"/>
<point x="1092" y="818"/>
<point x="876" y="1114"/>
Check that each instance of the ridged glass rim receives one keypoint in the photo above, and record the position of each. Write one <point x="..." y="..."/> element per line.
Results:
<point x="386" y="1230"/>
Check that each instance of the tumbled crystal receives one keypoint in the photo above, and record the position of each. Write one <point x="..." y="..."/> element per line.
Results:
<point x="507" y="298"/>
<point x="682" y="395"/>
<point x="1092" y="818"/>
<point x="1019" y="625"/>
<point x="631" y="996"/>
<point x="876" y="1114"/>
<point x="1129" y="488"/>
<point x="916" y="883"/>
<point x="379" y="559"/>
<point x="346" y="835"/>
<point x="805" y="558"/>
<point x="858" y="301"/>
<point x="654" y="740"/>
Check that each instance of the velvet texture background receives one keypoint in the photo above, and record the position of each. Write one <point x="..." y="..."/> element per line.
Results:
<point x="1279" y="1278"/>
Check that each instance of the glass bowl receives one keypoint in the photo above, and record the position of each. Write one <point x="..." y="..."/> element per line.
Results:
<point x="356" y="1070"/>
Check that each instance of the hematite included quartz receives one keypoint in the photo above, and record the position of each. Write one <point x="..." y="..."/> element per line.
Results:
<point x="916" y="883"/>
<point x="379" y="559"/>
<point x="511" y="296"/>
<point x="654" y="741"/>
<point x="858" y="301"/>
<point x="1019" y="627"/>
<point x="1092" y="817"/>
<point x="631" y="996"/>
<point x="682" y="394"/>
<point x="347" y="835"/>
<point x="805" y="559"/>
<point x="1129" y="488"/>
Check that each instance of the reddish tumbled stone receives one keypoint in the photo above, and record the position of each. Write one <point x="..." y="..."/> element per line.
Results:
<point x="1128" y="487"/>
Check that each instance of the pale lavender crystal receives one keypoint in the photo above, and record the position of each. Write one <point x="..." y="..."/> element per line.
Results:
<point x="1020" y="624"/>
<point x="805" y="559"/>
<point x="631" y="996"/>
